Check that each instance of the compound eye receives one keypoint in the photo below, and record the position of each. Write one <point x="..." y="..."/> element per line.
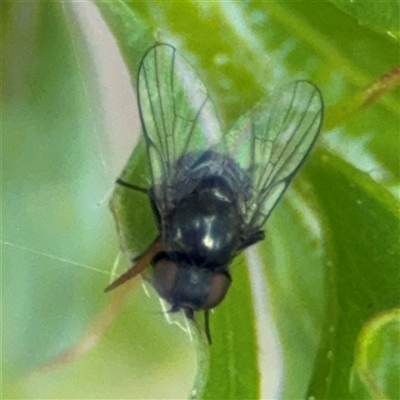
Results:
<point x="164" y="277"/>
<point x="219" y="286"/>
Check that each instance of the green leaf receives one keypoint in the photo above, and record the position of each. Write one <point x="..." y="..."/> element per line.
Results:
<point x="382" y="16"/>
<point x="375" y="373"/>
<point x="59" y="242"/>
<point x="363" y="273"/>
<point x="327" y="267"/>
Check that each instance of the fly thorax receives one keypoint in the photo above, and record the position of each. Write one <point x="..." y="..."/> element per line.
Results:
<point x="205" y="226"/>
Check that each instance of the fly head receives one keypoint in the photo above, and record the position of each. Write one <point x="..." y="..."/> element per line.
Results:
<point x="187" y="286"/>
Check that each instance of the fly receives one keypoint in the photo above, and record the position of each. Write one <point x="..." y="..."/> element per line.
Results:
<point x="211" y="192"/>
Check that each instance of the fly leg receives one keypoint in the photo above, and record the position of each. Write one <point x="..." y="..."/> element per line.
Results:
<point x="189" y="312"/>
<point x="139" y="266"/>
<point x="253" y="239"/>
<point x="131" y="186"/>
<point x="207" y="326"/>
<point x="148" y="192"/>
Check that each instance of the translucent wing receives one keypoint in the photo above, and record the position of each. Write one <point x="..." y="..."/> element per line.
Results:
<point x="177" y="116"/>
<point x="271" y="142"/>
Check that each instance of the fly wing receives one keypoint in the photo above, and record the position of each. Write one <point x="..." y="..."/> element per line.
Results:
<point x="177" y="116"/>
<point x="271" y="142"/>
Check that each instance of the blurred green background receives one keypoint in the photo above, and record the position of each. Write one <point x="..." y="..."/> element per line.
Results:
<point x="331" y="255"/>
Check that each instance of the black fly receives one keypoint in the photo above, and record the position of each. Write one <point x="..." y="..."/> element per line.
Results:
<point x="211" y="192"/>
